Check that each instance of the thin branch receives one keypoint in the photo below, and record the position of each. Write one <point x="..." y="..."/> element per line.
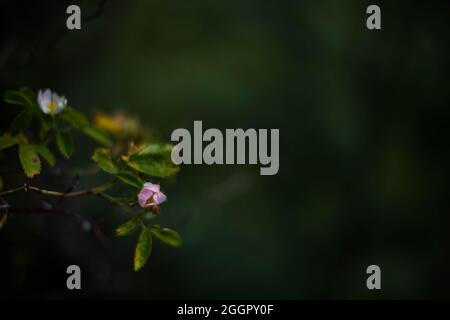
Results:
<point x="4" y="193"/>
<point x="94" y="190"/>
<point x="70" y="189"/>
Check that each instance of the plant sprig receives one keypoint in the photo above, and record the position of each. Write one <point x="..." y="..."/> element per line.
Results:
<point x="126" y="153"/>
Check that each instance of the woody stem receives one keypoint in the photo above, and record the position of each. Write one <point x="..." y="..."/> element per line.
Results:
<point x="94" y="190"/>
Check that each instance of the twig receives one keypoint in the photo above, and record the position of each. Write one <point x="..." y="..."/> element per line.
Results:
<point x="70" y="189"/>
<point x="94" y="190"/>
<point x="4" y="193"/>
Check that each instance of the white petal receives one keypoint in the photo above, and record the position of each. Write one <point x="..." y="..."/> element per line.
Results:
<point x="44" y="100"/>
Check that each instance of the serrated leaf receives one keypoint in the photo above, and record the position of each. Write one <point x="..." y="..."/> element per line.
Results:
<point x="65" y="143"/>
<point x="29" y="160"/>
<point x="166" y="235"/>
<point x="143" y="249"/>
<point x="75" y="118"/>
<point x="153" y="149"/>
<point x="7" y="141"/>
<point x="21" y="121"/>
<point x="97" y="135"/>
<point x="154" y="160"/>
<point x="127" y="228"/>
<point x="45" y="153"/>
<point x="156" y="165"/>
<point x="102" y="156"/>
<point x="130" y="179"/>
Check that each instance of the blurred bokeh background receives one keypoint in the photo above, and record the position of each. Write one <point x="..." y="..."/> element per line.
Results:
<point x="364" y="125"/>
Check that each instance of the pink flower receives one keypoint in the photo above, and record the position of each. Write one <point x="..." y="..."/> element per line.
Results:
<point x="150" y="196"/>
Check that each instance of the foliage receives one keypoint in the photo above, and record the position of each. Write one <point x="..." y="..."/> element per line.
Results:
<point x="125" y="154"/>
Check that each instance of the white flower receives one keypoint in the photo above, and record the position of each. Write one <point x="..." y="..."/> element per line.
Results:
<point x="50" y="102"/>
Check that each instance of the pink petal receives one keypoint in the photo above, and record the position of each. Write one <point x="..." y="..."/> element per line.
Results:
<point x="151" y="186"/>
<point x="160" y="198"/>
<point x="143" y="196"/>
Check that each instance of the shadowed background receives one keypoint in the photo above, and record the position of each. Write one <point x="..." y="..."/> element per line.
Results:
<point x="364" y="146"/>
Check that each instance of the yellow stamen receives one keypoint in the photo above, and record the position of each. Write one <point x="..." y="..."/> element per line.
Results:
<point x="52" y="107"/>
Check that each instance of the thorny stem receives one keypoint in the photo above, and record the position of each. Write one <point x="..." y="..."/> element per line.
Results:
<point x="94" y="190"/>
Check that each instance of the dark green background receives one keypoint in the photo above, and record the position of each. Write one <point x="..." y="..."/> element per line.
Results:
<point x="364" y="146"/>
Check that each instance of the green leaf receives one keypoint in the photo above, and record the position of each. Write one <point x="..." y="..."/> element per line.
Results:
<point x="45" y="153"/>
<point x="29" y="159"/>
<point x="29" y="96"/>
<point x="97" y="135"/>
<point x="166" y="235"/>
<point x="130" y="179"/>
<point x="65" y="143"/>
<point x="14" y="97"/>
<point x="127" y="228"/>
<point x="75" y="118"/>
<point x="102" y="156"/>
<point x="7" y="141"/>
<point x="154" y="160"/>
<point x="154" y="149"/>
<point x="24" y="97"/>
<point x="79" y="121"/>
<point x="148" y="215"/>
<point x="156" y="166"/>
<point x="21" y="121"/>
<point x="45" y="123"/>
<point x="143" y="249"/>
